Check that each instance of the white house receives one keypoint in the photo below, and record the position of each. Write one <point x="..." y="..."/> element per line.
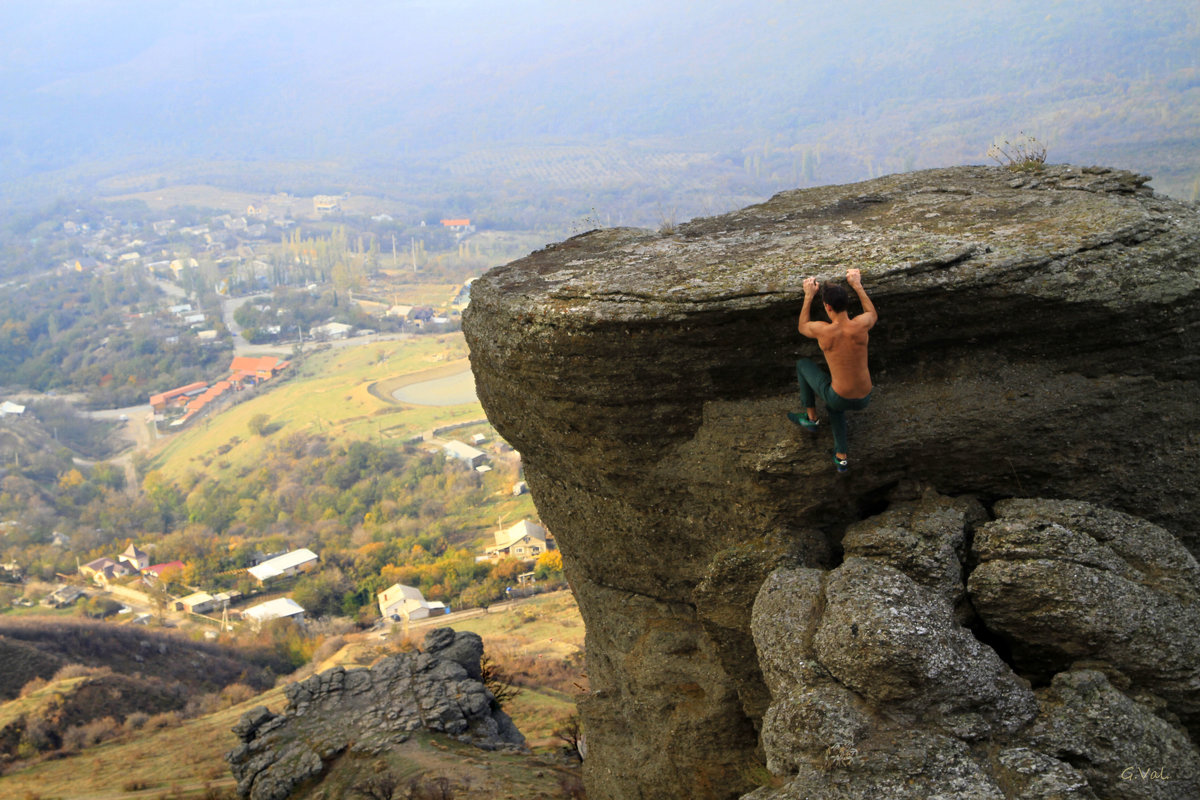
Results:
<point x="279" y="608"/>
<point x="197" y="603"/>
<point x="408" y="603"/>
<point x="464" y="452"/>
<point x="332" y="330"/>
<point x="286" y="564"/>
<point x="526" y="540"/>
<point x="9" y="407"/>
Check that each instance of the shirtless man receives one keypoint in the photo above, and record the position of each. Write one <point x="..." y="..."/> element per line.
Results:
<point x="844" y="343"/>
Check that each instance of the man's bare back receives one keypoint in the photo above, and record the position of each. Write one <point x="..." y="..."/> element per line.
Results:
<point x="845" y="347"/>
<point x="843" y="340"/>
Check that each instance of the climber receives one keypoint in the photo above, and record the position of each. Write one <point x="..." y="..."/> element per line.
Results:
<point x="844" y="342"/>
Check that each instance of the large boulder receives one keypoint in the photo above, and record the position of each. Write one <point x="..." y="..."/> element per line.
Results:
<point x="368" y="711"/>
<point x="879" y="691"/>
<point x="1039" y="335"/>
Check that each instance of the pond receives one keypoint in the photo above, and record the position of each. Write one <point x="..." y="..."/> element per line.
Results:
<point x="452" y="390"/>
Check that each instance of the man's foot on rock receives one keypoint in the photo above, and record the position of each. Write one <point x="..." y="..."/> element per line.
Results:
<point x="803" y="421"/>
<point x="842" y="464"/>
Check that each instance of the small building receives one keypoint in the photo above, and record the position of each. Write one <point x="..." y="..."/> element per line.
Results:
<point x="8" y="407"/>
<point x="291" y="563"/>
<point x="464" y="453"/>
<point x="178" y="396"/>
<point x="327" y="204"/>
<point x="478" y="439"/>
<point x="103" y="570"/>
<point x="250" y="370"/>
<point x="196" y="603"/>
<point x="279" y="608"/>
<point x="407" y="603"/>
<point x="135" y="558"/>
<point x="331" y="330"/>
<point x="525" y="541"/>
<point x="63" y="596"/>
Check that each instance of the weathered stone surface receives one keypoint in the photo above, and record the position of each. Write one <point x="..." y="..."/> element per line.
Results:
<point x="1119" y="745"/>
<point x="878" y="691"/>
<point x="368" y="711"/>
<point x="924" y="539"/>
<point x="1068" y="581"/>
<point x="1039" y="336"/>
<point x="897" y="645"/>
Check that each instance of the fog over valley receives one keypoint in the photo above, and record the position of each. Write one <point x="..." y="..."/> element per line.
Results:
<point x="623" y="107"/>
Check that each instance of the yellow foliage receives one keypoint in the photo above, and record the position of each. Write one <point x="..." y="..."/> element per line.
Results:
<point x="551" y="560"/>
<point x="70" y="479"/>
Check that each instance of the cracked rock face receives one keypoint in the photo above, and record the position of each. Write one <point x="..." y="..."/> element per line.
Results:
<point x="1038" y="336"/>
<point x="367" y="711"/>
<point x="879" y="691"/>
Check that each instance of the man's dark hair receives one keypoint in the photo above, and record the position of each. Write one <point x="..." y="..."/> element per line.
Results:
<point x="834" y="295"/>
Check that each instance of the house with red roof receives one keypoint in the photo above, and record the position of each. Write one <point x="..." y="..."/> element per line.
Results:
<point x="151" y="574"/>
<point x="180" y="396"/>
<point x="250" y="370"/>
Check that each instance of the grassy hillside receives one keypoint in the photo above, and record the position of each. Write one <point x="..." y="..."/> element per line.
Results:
<point x="36" y="647"/>
<point x="187" y="758"/>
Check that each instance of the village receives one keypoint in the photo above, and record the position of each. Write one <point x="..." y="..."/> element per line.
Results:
<point x="139" y="593"/>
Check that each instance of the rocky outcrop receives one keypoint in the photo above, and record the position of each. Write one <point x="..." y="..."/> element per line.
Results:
<point x="879" y="691"/>
<point x="1039" y="335"/>
<point x="367" y="711"/>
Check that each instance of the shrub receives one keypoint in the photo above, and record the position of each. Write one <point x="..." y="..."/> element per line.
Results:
<point x="1028" y="154"/>
<point x="39" y="736"/>
<point x="90" y="733"/>
<point x="33" y="686"/>
<point x="570" y="733"/>
<point x="236" y="693"/>
<point x="328" y="648"/>
<point x="438" y="788"/>
<point x="79" y="671"/>
<point x="200" y="705"/>
<point x="167" y="719"/>
<point x="136" y="721"/>
<point x="498" y="681"/>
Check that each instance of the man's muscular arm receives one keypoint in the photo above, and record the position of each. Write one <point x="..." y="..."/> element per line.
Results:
<point x="808" y="327"/>
<point x="869" y="316"/>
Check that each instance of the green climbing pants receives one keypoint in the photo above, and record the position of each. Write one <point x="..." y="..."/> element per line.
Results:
<point x="816" y="381"/>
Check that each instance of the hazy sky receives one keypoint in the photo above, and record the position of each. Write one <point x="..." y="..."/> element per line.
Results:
<point x="135" y="82"/>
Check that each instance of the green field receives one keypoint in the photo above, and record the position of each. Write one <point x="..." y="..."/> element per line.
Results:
<point x="328" y="392"/>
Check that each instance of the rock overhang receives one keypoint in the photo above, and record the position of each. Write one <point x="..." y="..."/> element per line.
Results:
<point x="1038" y="335"/>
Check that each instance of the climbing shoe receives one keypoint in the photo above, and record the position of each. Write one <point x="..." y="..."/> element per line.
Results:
<point x="803" y="421"/>
<point x="842" y="464"/>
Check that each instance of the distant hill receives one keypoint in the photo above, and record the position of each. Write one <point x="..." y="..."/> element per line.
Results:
<point x="36" y="647"/>
<point x="537" y="110"/>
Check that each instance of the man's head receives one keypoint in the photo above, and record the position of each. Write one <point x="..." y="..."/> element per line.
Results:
<point x="834" y="295"/>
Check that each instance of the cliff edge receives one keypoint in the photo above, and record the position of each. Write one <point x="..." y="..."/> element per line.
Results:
<point x="1039" y="336"/>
